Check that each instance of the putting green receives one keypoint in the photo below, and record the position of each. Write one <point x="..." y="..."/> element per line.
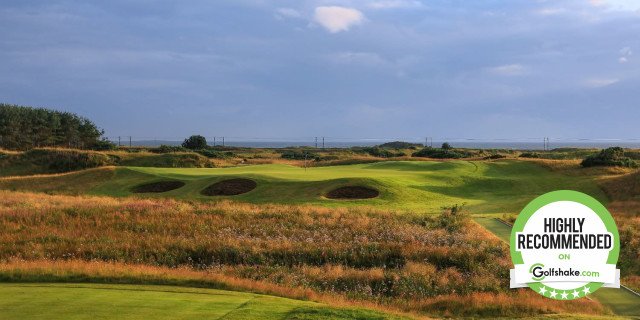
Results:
<point x="425" y="186"/>
<point x="102" y="301"/>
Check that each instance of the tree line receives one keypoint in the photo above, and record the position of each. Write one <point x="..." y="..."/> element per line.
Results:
<point x="23" y="128"/>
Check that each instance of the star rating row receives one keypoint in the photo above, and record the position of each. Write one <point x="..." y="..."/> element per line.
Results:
<point x="564" y="294"/>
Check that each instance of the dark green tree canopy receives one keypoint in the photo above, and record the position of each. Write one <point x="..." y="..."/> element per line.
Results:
<point x="23" y="128"/>
<point x="446" y="146"/>
<point x="195" y="142"/>
<point x="612" y="157"/>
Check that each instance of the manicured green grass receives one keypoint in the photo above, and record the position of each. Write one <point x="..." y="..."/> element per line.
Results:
<point x="101" y="301"/>
<point x="621" y="301"/>
<point x="487" y="187"/>
<point x="496" y="227"/>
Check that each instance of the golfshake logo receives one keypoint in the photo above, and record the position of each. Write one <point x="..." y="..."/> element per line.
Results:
<point x="565" y="245"/>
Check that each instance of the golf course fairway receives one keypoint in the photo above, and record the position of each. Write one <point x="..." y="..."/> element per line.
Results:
<point x="103" y="301"/>
<point x="494" y="187"/>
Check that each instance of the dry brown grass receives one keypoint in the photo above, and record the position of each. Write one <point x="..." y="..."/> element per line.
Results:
<point x="522" y="302"/>
<point x="350" y="160"/>
<point x="573" y="168"/>
<point x="627" y="217"/>
<point x="624" y="209"/>
<point x="9" y="151"/>
<point x="81" y="181"/>
<point x="358" y="256"/>
<point x="623" y="187"/>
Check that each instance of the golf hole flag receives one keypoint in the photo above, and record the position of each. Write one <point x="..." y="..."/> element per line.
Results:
<point x="564" y="246"/>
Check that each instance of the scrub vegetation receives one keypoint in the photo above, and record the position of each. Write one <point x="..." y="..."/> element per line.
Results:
<point x="300" y="229"/>
<point x="613" y="156"/>
<point x="624" y="192"/>
<point x="442" y="265"/>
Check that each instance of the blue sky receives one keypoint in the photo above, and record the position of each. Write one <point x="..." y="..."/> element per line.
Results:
<point x="303" y="68"/>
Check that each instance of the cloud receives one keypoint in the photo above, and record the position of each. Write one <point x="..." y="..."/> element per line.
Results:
<point x="509" y="70"/>
<point x="626" y="51"/>
<point x="392" y="4"/>
<point x="597" y="3"/>
<point x="288" y="12"/>
<point x="599" y="82"/>
<point x="622" y="5"/>
<point x="336" y="19"/>
<point x="548" y="12"/>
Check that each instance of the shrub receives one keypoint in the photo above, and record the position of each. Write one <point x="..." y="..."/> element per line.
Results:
<point x="530" y="155"/>
<point x="376" y="151"/>
<point x="299" y="155"/>
<point x="494" y="156"/>
<point x="213" y="154"/>
<point x="446" y="146"/>
<point x="103" y="145"/>
<point x="399" y="145"/>
<point x="453" y="218"/>
<point x="167" y="149"/>
<point x="195" y="142"/>
<point x="436" y="153"/>
<point x="610" y="157"/>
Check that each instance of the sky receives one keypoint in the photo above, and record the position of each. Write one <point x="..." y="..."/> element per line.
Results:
<point x="344" y="68"/>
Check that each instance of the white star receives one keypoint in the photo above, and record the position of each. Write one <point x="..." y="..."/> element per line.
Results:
<point x="564" y="295"/>
<point x="542" y="290"/>
<point x="586" y="291"/>
<point x="553" y="294"/>
<point x="576" y="293"/>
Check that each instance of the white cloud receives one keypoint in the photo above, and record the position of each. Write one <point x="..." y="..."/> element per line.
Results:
<point x="623" y="5"/>
<point x="336" y="19"/>
<point x="289" y="12"/>
<point x="625" y="52"/>
<point x="599" y="82"/>
<point x="391" y="4"/>
<point x="510" y="70"/>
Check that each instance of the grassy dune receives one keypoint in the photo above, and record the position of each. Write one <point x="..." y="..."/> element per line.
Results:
<point x="487" y="187"/>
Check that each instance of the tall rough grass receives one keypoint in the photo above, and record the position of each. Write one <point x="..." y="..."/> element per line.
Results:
<point x="627" y="217"/>
<point x="425" y="264"/>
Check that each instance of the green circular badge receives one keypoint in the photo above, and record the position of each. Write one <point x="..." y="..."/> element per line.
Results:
<point x="564" y="246"/>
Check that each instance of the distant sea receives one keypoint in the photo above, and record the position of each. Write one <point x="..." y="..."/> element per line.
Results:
<point x="475" y="144"/>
